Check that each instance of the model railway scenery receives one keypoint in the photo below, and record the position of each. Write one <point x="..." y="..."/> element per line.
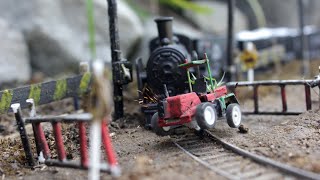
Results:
<point x="188" y="89"/>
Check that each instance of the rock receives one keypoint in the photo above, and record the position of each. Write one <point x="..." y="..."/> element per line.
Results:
<point x="2" y="129"/>
<point x="217" y="20"/>
<point x="243" y="129"/>
<point x="14" y="61"/>
<point x="56" y="31"/>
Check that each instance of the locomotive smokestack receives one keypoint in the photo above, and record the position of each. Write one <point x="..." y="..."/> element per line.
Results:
<point x="165" y="30"/>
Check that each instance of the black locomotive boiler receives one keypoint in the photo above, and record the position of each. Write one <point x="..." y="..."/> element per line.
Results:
<point x="166" y="53"/>
<point x="161" y="74"/>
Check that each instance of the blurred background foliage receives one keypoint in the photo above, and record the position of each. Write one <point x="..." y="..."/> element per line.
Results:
<point x="185" y="5"/>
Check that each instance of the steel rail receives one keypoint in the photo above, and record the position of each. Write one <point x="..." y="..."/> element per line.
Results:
<point x="263" y="160"/>
<point x="217" y="170"/>
<point x="216" y="158"/>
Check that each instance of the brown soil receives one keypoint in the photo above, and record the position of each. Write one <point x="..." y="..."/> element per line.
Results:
<point x="143" y="155"/>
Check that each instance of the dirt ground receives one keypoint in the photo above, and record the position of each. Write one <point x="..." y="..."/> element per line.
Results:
<point x="143" y="155"/>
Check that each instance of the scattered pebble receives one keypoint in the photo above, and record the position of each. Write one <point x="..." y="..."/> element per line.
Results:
<point x="112" y="134"/>
<point x="2" y="128"/>
<point x="243" y="129"/>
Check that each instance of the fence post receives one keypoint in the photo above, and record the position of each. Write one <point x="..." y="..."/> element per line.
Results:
<point x="23" y="134"/>
<point x="283" y="98"/>
<point x="255" y="99"/>
<point x="59" y="140"/>
<point x="308" y="97"/>
<point x="36" y="136"/>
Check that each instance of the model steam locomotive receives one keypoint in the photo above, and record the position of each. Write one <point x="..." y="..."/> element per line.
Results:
<point x="162" y="76"/>
<point x="167" y="51"/>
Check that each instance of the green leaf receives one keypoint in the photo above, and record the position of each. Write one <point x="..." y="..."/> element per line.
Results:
<point x="186" y="5"/>
<point x="142" y="13"/>
<point x="91" y="28"/>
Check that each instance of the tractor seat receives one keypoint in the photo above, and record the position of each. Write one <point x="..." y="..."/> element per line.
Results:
<point x="200" y="85"/>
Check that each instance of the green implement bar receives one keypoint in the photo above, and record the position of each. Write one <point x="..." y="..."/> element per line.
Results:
<point x="209" y="72"/>
<point x="192" y="64"/>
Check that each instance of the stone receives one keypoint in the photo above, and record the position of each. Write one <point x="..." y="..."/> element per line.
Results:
<point x="216" y="21"/>
<point x="57" y="35"/>
<point x="14" y="61"/>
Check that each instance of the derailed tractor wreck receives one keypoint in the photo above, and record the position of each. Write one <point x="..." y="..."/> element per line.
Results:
<point x="171" y="95"/>
<point x="198" y="109"/>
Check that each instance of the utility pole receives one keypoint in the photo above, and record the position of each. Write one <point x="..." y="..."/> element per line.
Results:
<point x="304" y="56"/>
<point x="121" y="69"/>
<point x="115" y="55"/>
<point x="230" y="39"/>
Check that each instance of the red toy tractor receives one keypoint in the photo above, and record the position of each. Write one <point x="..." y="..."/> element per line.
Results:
<point x="198" y="109"/>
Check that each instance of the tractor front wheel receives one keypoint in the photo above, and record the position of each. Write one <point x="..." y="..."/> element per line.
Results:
<point x="160" y="131"/>
<point x="234" y="115"/>
<point x="206" y="115"/>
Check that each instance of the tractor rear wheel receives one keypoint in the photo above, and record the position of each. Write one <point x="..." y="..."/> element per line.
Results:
<point x="206" y="115"/>
<point x="160" y="131"/>
<point x="234" y="115"/>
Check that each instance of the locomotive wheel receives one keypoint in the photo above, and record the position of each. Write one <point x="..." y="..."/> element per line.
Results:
<point x="140" y="74"/>
<point x="206" y="115"/>
<point x="234" y="115"/>
<point x="160" y="131"/>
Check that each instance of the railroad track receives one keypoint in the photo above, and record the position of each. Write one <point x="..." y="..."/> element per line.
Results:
<point x="233" y="162"/>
